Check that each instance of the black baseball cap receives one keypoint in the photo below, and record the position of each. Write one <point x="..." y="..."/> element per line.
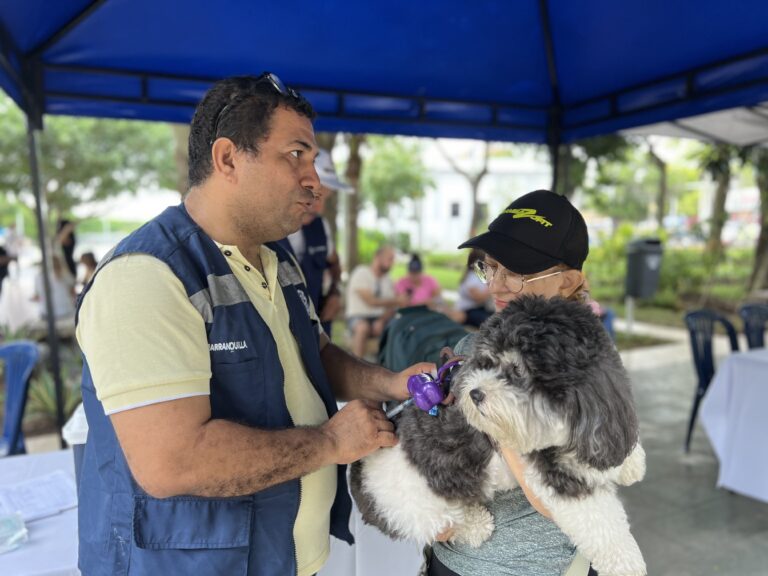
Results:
<point x="537" y="231"/>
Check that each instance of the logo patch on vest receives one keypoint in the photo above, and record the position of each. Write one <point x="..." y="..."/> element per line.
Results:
<point x="230" y="346"/>
<point x="304" y="300"/>
<point x="529" y="213"/>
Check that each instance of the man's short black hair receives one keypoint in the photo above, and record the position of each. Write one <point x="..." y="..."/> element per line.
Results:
<point x="251" y="101"/>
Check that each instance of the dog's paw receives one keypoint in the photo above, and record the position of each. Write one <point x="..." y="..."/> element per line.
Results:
<point x="626" y="560"/>
<point x="633" y="468"/>
<point x="477" y="527"/>
<point x="625" y="567"/>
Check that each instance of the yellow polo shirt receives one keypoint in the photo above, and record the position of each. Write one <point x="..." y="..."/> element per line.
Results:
<point x="146" y="343"/>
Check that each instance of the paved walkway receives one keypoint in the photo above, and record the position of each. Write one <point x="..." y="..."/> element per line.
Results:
<point x="684" y="524"/>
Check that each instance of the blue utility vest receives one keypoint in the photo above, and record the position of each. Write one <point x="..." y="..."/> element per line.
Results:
<point x="122" y="529"/>
<point x="314" y="261"/>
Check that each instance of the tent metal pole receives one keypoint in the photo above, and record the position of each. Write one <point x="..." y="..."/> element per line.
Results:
<point x="554" y="116"/>
<point x="41" y="209"/>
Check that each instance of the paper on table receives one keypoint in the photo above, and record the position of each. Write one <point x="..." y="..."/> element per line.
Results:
<point x="39" y="497"/>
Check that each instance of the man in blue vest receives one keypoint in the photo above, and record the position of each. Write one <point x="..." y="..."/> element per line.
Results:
<point x="314" y="248"/>
<point x="215" y="445"/>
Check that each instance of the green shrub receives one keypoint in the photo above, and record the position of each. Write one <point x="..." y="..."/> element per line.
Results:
<point x="42" y="388"/>
<point x="684" y="276"/>
<point x="456" y="260"/>
<point x="368" y="241"/>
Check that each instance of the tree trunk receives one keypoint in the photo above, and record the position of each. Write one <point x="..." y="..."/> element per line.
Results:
<point x="474" y="184"/>
<point x="661" y="199"/>
<point x="475" y="225"/>
<point x="352" y="175"/>
<point x="181" y="156"/>
<point x="326" y="140"/>
<point x="564" y="161"/>
<point x="759" y="278"/>
<point x="719" y="216"/>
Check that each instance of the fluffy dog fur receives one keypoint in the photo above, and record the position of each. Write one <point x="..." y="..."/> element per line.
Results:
<point x="545" y="379"/>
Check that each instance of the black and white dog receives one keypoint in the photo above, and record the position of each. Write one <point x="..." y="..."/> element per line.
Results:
<point x="544" y="379"/>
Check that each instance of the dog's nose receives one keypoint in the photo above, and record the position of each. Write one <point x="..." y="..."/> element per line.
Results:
<point x="477" y="395"/>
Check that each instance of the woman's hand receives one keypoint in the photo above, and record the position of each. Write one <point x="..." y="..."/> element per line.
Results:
<point x="399" y="386"/>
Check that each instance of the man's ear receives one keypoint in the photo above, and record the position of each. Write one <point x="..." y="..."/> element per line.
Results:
<point x="572" y="280"/>
<point x="223" y="158"/>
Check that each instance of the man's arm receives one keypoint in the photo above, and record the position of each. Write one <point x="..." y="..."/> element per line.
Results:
<point x="374" y="302"/>
<point x="175" y="447"/>
<point x="352" y="377"/>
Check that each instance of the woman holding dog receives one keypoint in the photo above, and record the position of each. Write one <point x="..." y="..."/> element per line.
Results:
<point x="537" y="246"/>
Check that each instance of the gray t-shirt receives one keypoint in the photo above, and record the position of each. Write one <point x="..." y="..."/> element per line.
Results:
<point x="524" y="543"/>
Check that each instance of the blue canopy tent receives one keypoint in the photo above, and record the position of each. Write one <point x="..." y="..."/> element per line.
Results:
<point x="538" y="71"/>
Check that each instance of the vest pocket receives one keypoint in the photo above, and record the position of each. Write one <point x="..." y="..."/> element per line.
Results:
<point x="187" y="535"/>
<point x="237" y="391"/>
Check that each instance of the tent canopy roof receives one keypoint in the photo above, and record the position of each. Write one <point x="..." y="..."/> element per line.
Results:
<point x="527" y="71"/>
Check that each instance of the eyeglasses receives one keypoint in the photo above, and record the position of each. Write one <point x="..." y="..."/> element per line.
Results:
<point x="272" y="79"/>
<point x="513" y="282"/>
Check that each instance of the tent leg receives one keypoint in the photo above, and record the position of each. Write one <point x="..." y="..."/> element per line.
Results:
<point x="53" y="338"/>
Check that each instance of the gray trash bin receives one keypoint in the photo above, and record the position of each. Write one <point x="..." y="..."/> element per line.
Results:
<point x="643" y="267"/>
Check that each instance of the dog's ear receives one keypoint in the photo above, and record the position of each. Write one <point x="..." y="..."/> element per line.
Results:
<point x="604" y="428"/>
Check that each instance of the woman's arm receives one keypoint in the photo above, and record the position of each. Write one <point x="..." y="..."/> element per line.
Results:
<point x="517" y="466"/>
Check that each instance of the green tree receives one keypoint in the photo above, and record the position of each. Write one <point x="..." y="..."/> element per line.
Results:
<point x="715" y="160"/>
<point x="622" y="188"/>
<point x="758" y="158"/>
<point x="573" y="159"/>
<point x="393" y="172"/>
<point x="352" y="177"/>
<point x="85" y="159"/>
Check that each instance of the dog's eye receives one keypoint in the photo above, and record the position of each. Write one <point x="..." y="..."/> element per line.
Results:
<point x="513" y="371"/>
<point x="484" y="362"/>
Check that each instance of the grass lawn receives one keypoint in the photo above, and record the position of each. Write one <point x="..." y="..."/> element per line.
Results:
<point x="448" y="278"/>
<point x="649" y="314"/>
<point x="626" y="341"/>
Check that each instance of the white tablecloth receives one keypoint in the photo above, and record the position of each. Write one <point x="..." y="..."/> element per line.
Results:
<point x="734" y="413"/>
<point x="52" y="546"/>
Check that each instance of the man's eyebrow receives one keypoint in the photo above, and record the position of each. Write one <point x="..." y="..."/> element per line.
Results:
<point x="303" y="144"/>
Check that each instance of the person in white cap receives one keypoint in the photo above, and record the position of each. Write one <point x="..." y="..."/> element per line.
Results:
<point x="314" y="249"/>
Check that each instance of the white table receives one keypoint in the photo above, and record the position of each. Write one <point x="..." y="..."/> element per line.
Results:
<point x="734" y="414"/>
<point x="52" y="546"/>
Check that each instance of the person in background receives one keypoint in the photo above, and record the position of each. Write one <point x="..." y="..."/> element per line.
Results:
<point x="5" y="260"/>
<point x="472" y="306"/>
<point x="88" y="260"/>
<point x="314" y="249"/>
<point x="371" y="299"/>
<point x="419" y="288"/>
<point x="537" y="246"/>
<point x="62" y="290"/>
<point x="65" y="242"/>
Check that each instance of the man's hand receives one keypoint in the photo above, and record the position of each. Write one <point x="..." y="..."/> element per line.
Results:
<point x="331" y="307"/>
<point x="402" y="300"/>
<point x="358" y="429"/>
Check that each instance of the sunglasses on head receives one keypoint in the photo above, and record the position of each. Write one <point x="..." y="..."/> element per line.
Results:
<point x="272" y="79"/>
